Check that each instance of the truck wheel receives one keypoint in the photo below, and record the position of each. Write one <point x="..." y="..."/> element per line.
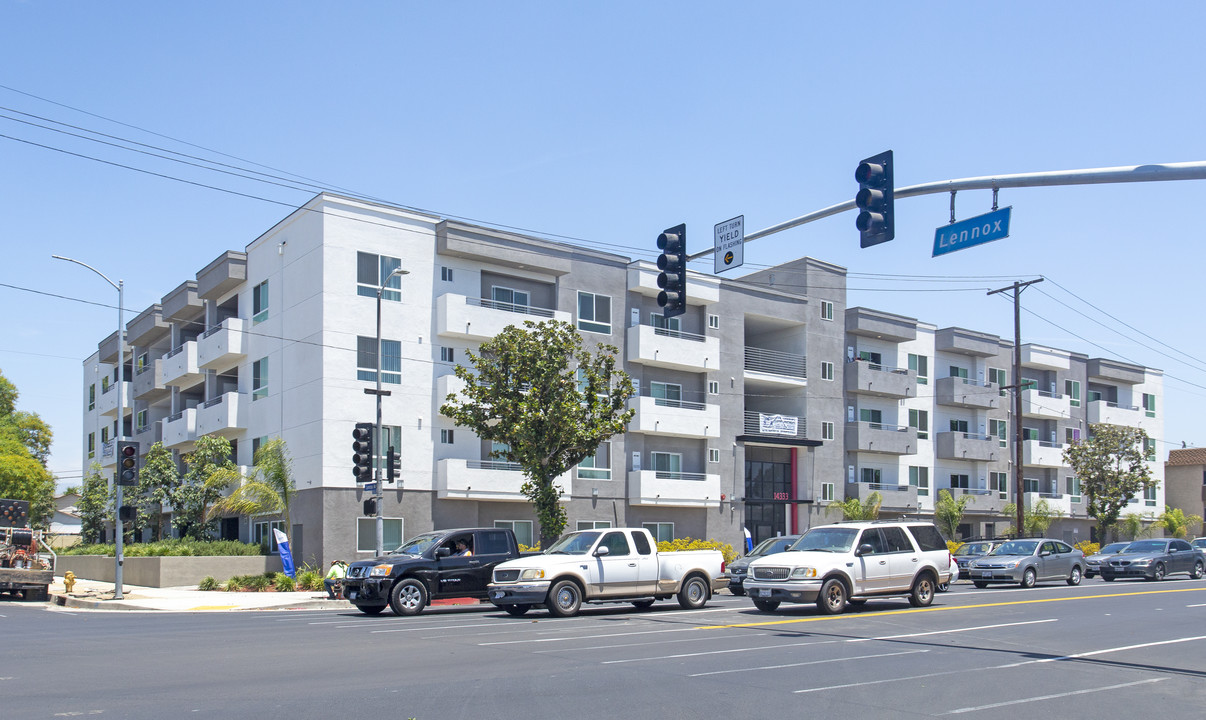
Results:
<point x="370" y="609"/>
<point x="565" y="599"/>
<point x="408" y="597"/>
<point x="766" y="605"/>
<point x="516" y="610"/>
<point x="922" y="593"/>
<point x="738" y="591"/>
<point x="980" y="585"/>
<point x="642" y="604"/>
<point x="832" y="600"/>
<point x="694" y="593"/>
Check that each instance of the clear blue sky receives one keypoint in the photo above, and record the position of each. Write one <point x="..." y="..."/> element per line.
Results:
<point x="606" y="122"/>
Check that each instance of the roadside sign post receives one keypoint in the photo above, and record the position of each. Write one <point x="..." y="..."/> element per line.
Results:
<point x="730" y="244"/>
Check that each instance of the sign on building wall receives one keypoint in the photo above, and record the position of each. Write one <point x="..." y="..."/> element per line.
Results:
<point x="778" y="424"/>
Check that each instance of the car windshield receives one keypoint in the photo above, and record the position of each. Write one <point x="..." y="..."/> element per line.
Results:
<point x="837" y="540"/>
<point x="1199" y="543"/>
<point x="1016" y="547"/>
<point x="578" y="543"/>
<point x="973" y="549"/>
<point x="771" y="546"/>
<point x="1144" y="546"/>
<point x="1112" y="548"/>
<point x="417" y="545"/>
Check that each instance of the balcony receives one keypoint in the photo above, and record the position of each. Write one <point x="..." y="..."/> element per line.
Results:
<point x="222" y="347"/>
<point x="892" y="496"/>
<point x="148" y="435"/>
<point x="180" y="366"/>
<point x="148" y="382"/>
<point x="982" y="500"/>
<point x="460" y="479"/>
<point x="870" y="378"/>
<point x="881" y="438"/>
<point x="1102" y="411"/>
<point x="965" y="393"/>
<point x="672" y="349"/>
<point x="1056" y="502"/>
<point x="180" y="429"/>
<point x="1036" y="356"/>
<point x="673" y="489"/>
<point x="480" y="319"/>
<point x="774" y="426"/>
<point x="224" y="415"/>
<point x="675" y="418"/>
<point x="448" y="385"/>
<point x="775" y="367"/>
<point x="1043" y="404"/>
<point x="967" y="446"/>
<point x="106" y="404"/>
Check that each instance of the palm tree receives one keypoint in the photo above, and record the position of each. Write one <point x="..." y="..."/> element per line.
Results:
<point x="1176" y="523"/>
<point x="267" y="489"/>
<point x="852" y="509"/>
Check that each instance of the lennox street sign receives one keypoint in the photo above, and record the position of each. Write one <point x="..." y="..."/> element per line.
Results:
<point x="972" y="232"/>
<point x="730" y="242"/>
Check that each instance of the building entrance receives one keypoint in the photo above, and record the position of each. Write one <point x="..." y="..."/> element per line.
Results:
<point x="768" y="491"/>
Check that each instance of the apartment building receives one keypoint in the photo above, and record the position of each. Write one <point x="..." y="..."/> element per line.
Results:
<point x="765" y="401"/>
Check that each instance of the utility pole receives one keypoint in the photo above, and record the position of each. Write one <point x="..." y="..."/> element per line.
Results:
<point x="378" y="442"/>
<point x="1016" y="387"/>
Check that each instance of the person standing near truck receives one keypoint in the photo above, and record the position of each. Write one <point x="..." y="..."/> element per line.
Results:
<point x="334" y="578"/>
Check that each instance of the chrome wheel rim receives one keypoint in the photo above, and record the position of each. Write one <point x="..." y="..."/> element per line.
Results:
<point x="410" y="597"/>
<point x="566" y="598"/>
<point x="836" y="597"/>
<point x="695" y="591"/>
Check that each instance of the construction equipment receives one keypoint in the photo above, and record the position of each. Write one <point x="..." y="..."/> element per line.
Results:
<point x="24" y="570"/>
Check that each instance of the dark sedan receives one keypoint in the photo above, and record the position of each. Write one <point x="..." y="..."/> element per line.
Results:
<point x="1154" y="560"/>
<point x="737" y="569"/>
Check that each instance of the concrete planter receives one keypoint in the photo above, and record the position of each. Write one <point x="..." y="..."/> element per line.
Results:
<point x="167" y="571"/>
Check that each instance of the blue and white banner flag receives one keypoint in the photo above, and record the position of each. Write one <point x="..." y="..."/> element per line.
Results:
<point x="282" y="542"/>
<point x="749" y="540"/>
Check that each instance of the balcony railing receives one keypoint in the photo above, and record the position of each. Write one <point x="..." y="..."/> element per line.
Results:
<point x="493" y="465"/>
<point x="881" y="368"/>
<point x="975" y="436"/>
<point x="216" y="401"/>
<point x="680" y="334"/>
<point x="510" y="307"/>
<point x="775" y="362"/>
<point x="668" y="475"/>
<point x="887" y="487"/>
<point x="673" y="402"/>
<point x="174" y="352"/>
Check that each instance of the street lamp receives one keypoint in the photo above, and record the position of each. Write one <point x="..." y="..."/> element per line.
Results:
<point x="119" y="286"/>
<point x="379" y="446"/>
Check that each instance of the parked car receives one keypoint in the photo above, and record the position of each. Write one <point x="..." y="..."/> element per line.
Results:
<point x="1093" y="562"/>
<point x="971" y="550"/>
<point x="943" y="587"/>
<point x="738" y="568"/>
<point x="1199" y="543"/>
<point x="1027" y="562"/>
<point x="1154" y="560"/>
<point x="850" y="563"/>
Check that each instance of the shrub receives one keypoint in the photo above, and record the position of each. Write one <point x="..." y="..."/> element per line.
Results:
<point x="208" y="583"/>
<point x="176" y="547"/>
<point x="309" y="579"/>
<point x="953" y="545"/>
<point x="524" y="548"/>
<point x="258" y="583"/>
<point x="284" y="583"/>
<point x="1088" y="548"/>
<point x="234" y="584"/>
<point x="692" y="544"/>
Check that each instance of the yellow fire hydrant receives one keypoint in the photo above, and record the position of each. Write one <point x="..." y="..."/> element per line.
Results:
<point x="69" y="580"/>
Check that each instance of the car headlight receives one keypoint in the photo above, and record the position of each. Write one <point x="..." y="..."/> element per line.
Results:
<point x="1143" y="561"/>
<point x="1012" y="565"/>
<point x="803" y="572"/>
<point x="380" y="570"/>
<point x="531" y="574"/>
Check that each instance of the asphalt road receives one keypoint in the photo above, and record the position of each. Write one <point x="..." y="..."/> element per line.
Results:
<point x="1119" y="650"/>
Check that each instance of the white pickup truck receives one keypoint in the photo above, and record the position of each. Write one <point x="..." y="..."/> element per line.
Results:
<point x="615" y="565"/>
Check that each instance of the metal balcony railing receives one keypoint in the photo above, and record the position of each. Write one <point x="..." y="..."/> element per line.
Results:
<point x="680" y="334"/>
<point x="174" y="352"/>
<point x="510" y="307"/>
<point x="493" y="465"/>
<point x="673" y="402"/>
<point x="668" y="475"/>
<point x="775" y="362"/>
<point x="879" y="367"/>
<point x="215" y="401"/>
<point x="886" y="487"/>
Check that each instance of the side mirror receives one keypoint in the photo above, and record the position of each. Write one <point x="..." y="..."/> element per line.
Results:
<point x="602" y="550"/>
<point x="864" y="549"/>
<point x="443" y="552"/>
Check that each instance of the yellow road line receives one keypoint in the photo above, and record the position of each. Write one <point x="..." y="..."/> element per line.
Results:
<point x="948" y="607"/>
<point x="214" y="607"/>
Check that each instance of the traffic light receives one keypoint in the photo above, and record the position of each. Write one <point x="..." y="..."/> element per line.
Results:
<point x="673" y="264"/>
<point x="370" y="507"/>
<point x="876" y="221"/>
<point x="362" y="452"/>
<point x="127" y="462"/>
<point x="127" y="513"/>
<point x="392" y="463"/>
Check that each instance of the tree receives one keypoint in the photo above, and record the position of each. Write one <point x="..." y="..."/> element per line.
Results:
<point x="24" y="448"/>
<point x="852" y="509"/>
<point x="95" y="505"/>
<point x="1112" y="469"/>
<point x="1035" y="520"/>
<point x="1176" y="523"/>
<point x="197" y="490"/>
<point x="548" y="400"/>
<point x="1135" y="526"/>
<point x="948" y="512"/>
<point x="158" y="487"/>
<point x="268" y="489"/>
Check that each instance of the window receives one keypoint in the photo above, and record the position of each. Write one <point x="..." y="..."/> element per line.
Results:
<point x="447" y="436"/>
<point x="1000" y="430"/>
<point x="446" y="274"/>
<point x="92" y="396"/>
<point x="259" y="379"/>
<point x="391" y="436"/>
<point x="1030" y="485"/>
<point x="661" y="531"/>
<point x="958" y="426"/>
<point x="870" y="475"/>
<point x="104" y="434"/>
<point x="826" y="491"/>
<point x="662" y="462"/>
<point x="875" y="417"/>
<point x="594" y="312"/>
<point x="140" y="362"/>
<point x="666" y="394"/>
<point x="1071" y="436"/>
<point x="713" y="387"/>
<point x="919" y="477"/>
<point x="262" y="535"/>
<point x="999" y="481"/>
<point x="597" y="466"/>
<point x="509" y="299"/>
<point x="1149" y="405"/>
<point x="713" y="455"/>
<point x="658" y="320"/>
<point x="826" y="371"/>
<point x="105" y="383"/>
<point x="958" y="372"/>
<point x="1149" y="449"/>
<point x="1149" y="497"/>
<point x="960" y="481"/>
<point x="920" y="364"/>
<point x="1029" y="433"/>
<point x="714" y="322"/>
<point x="447" y="354"/>
<point x="826" y="431"/>
<point x="872" y="357"/>
<point x="895" y="539"/>
<point x="91" y="445"/>
<point x="371" y="272"/>
<point x="366" y="360"/>
<point x="920" y="419"/>
<point x="826" y="310"/>
<point x="521" y="528"/>
<point x="1000" y="378"/>
<point x="259" y="303"/>
<point x="593" y="524"/>
<point x="256" y="444"/>
<point x="366" y="534"/>
<point x="1094" y="395"/>
<point x="1072" y="390"/>
<point x="140" y="421"/>
<point x="1074" y="488"/>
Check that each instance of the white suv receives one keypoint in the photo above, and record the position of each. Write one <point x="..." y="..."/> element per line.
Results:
<point x="833" y="565"/>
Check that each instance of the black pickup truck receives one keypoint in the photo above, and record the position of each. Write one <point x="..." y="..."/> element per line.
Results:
<point x="428" y="567"/>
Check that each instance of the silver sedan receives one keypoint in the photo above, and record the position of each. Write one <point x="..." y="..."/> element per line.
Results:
<point x="1028" y="561"/>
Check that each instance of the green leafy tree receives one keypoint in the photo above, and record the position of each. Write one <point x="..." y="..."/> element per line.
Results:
<point x="95" y="505"/>
<point x="1035" y="520"/>
<point x="267" y="489"/>
<point x="199" y="488"/>
<point x="1176" y="523"/>
<point x="948" y="512"/>
<point x="550" y="401"/>
<point x="1135" y="526"/>
<point x="159" y="484"/>
<point x="852" y="509"/>
<point x="1112" y="469"/>
<point x="24" y="448"/>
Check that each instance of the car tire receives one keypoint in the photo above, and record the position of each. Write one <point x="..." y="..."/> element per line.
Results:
<point x="565" y="599"/>
<point x="922" y="594"/>
<point x="370" y="609"/>
<point x="737" y="591"/>
<point x="766" y="605"/>
<point x="408" y="597"/>
<point x="693" y="594"/>
<point x="1198" y="570"/>
<point x="857" y="602"/>
<point x="1108" y="578"/>
<point x="516" y="610"/>
<point x="981" y="585"/>
<point x="1029" y="578"/>
<point x="1089" y="575"/>
<point x="642" y="604"/>
<point x="1157" y="573"/>
<point x="1074" y="577"/>
<point x="832" y="598"/>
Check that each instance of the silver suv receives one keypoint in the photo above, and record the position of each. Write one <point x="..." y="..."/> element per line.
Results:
<point x="849" y="563"/>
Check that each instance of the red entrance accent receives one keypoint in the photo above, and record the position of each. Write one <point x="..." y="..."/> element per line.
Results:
<point x="795" y="493"/>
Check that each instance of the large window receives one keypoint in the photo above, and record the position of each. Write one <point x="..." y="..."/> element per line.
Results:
<point x="510" y="300"/>
<point x="92" y="396"/>
<point x="1149" y="405"/>
<point x="371" y="271"/>
<point x="870" y="475"/>
<point x="366" y="534"/>
<point x="259" y="379"/>
<point x="597" y="466"/>
<point x="593" y="525"/>
<point x="959" y="372"/>
<point x="1149" y="497"/>
<point x="875" y="417"/>
<point x="999" y="481"/>
<point x="1072" y="390"/>
<point x="366" y="360"/>
<point x="259" y="303"/>
<point x="826" y="491"/>
<point x="960" y="481"/>
<point x="663" y="462"/>
<point x="919" y="477"/>
<point x="661" y="531"/>
<point x="521" y="528"/>
<point x="660" y="321"/>
<point x="1000" y="430"/>
<point x="594" y="312"/>
<point x="920" y="419"/>
<point x="262" y="535"/>
<point x="91" y="445"/>
<point x="920" y="364"/>
<point x="667" y="394"/>
<point x="140" y="421"/>
<point x="1000" y="378"/>
<point x="959" y="426"/>
<point x="1074" y="488"/>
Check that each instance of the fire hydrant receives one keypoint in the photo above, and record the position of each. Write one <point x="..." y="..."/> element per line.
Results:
<point x="69" y="580"/>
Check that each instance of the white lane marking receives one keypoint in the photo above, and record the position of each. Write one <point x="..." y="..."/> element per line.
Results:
<point x="1052" y="697"/>
<point x="587" y="637"/>
<point x="660" y="642"/>
<point x="429" y="627"/>
<point x="1002" y="667"/>
<point x="1198" y="605"/>
<point x="810" y="662"/>
<point x="826" y="642"/>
